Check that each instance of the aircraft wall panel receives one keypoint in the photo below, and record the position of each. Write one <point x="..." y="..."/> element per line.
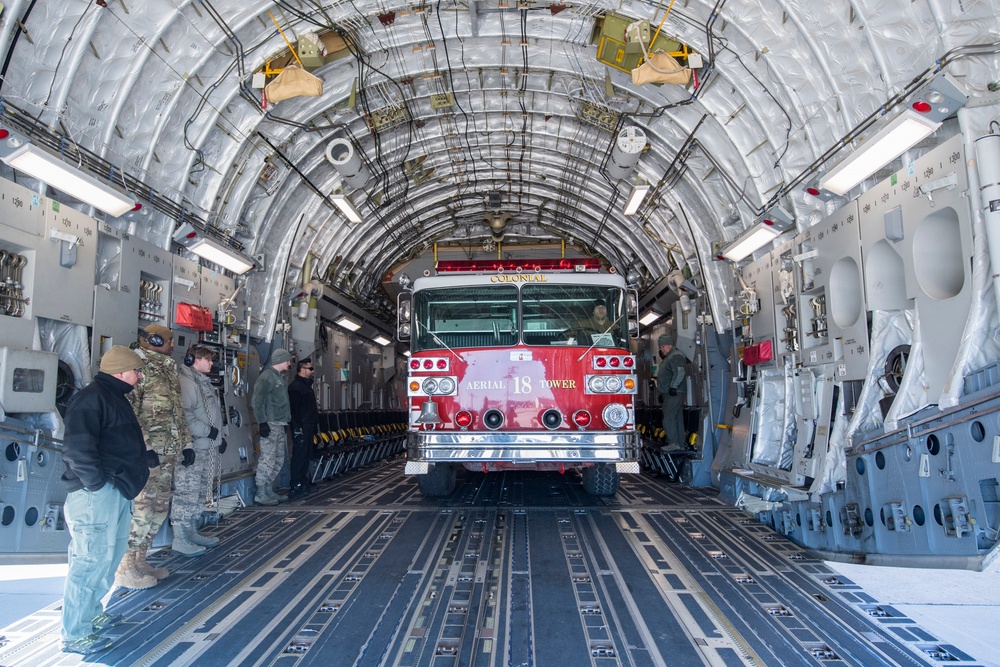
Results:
<point x="758" y="277"/>
<point x="65" y="267"/>
<point x="20" y="238"/>
<point x="788" y="338"/>
<point x="142" y="261"/>
<point x="21" y="209"/>
<point x="17" y="248"/>
<point x="186" y="288"/>
<point x="215" y="288"/>
<point x="916" y="238"/>
<point x="832" y="314"/>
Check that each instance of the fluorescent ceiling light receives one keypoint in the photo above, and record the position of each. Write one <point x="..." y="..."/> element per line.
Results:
<point x="635" y="197"/>
<point x="34" y="161"/>
<point x="649" y="318"/>
<point x="216" y="253"/>
<point x="347" y="207"/>
<point x="898" y="136"/>
<point x="748" y="242"/>
<point x="381" y="340"/>
<point x="348" y="323"/>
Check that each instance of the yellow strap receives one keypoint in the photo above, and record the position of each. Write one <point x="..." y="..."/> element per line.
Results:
<point x="655" y="34"/>
<point x="292" y="48"/>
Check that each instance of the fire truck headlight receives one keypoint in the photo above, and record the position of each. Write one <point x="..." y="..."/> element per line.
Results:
<point x="430" y="386"/>
<point x="446" y="386"/>
<point x="615" y="415"/>
<point x="613" y="384"/>
<point x="596" y="384"/>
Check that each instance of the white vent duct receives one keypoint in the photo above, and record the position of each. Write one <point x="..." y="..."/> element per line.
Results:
<point x="625" y="153"/>
<point x="341" y="154"/>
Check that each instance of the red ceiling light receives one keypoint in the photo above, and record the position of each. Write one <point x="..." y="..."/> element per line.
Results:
<point x="813" y="191"/>
<point x="4" y="134"/>
<point x="922" y="106"/>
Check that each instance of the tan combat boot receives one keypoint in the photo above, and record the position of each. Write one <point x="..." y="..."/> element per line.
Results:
<point x="128" y="576"/>
<point x="143" y="566"/>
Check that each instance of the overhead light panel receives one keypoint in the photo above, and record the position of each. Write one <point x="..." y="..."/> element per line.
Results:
<point x="347" y="207"/>
<point x="49" y="169"/>
<point x="635" y="197"/>
<point x="225" y="257"/>
<point x="381" y="340"/>
<point x="754" y="238"/>
<point x="347" y="323"/>
<point x="898" y="136"/>
<point x="212" y="250"/>
<point x="649" y="318"/>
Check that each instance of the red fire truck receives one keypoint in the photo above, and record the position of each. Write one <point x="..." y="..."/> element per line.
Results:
<point x="521" y="365"/>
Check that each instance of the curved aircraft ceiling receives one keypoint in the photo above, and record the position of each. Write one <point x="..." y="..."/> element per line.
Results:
<point x="469" y="99"/>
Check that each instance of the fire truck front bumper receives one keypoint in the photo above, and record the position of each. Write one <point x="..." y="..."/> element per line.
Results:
<point x="527" y="449"/>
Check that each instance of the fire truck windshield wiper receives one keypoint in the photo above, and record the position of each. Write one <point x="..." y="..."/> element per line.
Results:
<point x="439" y="341"/>
<point x="598" y="337"/>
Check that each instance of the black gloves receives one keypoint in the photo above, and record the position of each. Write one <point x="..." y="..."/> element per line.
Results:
<point x="265" y="429"/>
<point x="188" y="455"/>
<point x="213" y="434"/>
<point x="222" y="446"/>
<point x="152" y="459"/>
<point x="671" y="392"/>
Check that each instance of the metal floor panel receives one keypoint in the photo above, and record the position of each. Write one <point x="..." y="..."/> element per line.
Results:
<point x="513" y="569"/>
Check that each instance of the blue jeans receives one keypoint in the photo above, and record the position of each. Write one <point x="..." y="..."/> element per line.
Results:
<point x="98" y="524"/>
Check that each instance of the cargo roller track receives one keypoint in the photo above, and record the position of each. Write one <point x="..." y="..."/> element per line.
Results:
<point x="513" y="569"/>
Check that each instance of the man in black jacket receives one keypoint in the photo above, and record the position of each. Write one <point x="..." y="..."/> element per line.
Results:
<point x="305" y="424"/>
<point x="107" y="464"/>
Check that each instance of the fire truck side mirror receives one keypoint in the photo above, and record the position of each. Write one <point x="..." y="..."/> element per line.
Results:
<point x="632" y="299"/>
<point x="403" y="316"/>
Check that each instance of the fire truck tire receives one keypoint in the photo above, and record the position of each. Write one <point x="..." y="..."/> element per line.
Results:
<point x="439" y="482"/>
<point x="600" y="480"/>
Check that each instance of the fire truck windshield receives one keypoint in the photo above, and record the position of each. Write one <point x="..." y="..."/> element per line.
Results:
<point x="492" y="316"/>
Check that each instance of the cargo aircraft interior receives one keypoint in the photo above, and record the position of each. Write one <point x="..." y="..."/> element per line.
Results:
<point x="629" y="322"/>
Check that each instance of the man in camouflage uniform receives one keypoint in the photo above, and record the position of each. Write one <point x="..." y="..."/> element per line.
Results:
<point x="158" y="405"/>
<point x="272" y="410"/>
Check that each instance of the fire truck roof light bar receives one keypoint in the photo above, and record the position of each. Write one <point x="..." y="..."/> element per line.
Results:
<point x="500" y="265"/>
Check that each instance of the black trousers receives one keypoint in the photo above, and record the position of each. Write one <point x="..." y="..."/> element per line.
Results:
<point x="302" y="443"/>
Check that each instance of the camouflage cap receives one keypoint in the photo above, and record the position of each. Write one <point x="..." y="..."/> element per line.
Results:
<point x="665" y="339"/>
<point x="119" y="359"/>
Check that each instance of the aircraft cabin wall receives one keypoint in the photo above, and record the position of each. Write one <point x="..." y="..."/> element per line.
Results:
<point x="868" y="433"/>
<point x="72" y="287"/>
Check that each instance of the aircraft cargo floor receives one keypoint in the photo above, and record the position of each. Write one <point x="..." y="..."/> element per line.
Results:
<point x="513" y="569"/>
